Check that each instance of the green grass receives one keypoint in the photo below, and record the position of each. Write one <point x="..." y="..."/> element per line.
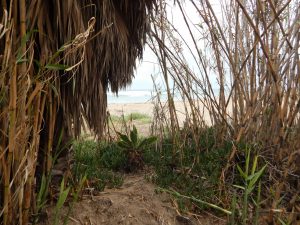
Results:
<point x="102" y="162"/>
<point x="99" y="162"/>
<point x="115" y="118"/>
<point x="143" y="118"/>
<point x="202" y="181"/>
<point x="196" y="182"/>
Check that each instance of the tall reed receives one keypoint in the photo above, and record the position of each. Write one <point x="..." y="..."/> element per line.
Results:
<point x="239" y="72"/>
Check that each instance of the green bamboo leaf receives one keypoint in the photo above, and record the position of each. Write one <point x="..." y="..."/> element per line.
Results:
<point x="21" y="60"/>
<point x="24" y="40"/>
<point x="57" y="53"/>
<point x="56" y="67"/>
<point x="60" y="137"/>
<point x="54" y="90"/>
<point x="37" y="63"/>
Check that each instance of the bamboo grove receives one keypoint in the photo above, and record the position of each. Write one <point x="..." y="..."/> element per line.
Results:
<point x="57" y="60"/>
<point x="244" y="67"/>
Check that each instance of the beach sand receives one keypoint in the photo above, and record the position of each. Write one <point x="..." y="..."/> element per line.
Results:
<point x="148" y="109"/>
<point x="147" y="126"/>
<point x="144" y="127"/>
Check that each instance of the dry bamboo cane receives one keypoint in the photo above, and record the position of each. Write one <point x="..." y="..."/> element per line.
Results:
<point x="32" y="158"/>
<point x="21" y="145"/>
<point x="5" y="162"/>
<point x="12" y="145"/>
<point x="51" y="122"/>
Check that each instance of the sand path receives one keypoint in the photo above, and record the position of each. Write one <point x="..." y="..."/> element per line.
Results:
<point x="135" y="203"/>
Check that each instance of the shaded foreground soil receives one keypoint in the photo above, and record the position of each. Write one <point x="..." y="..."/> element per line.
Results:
<point x="135" y="203"/>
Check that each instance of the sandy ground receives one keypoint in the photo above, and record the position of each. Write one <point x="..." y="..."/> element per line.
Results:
<point x="119" y="109"/>
<point x="148" y="108"/>
<point x="135" y="203"/>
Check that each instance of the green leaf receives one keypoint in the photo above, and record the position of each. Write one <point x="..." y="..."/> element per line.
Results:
<point x="79" y="188"/>
<point x="24" y="40"/>
<point x="134" y="136"/>
<point x="124" y="138"/>
<point x="249" y="190"/>
<point x="241" y="172"/>
<point x="56" y="67"/>
<point x="254" y="165"/>
<point x="247" y="162"/>
<point x="233" y="209"/>
<point x="62" y="185"/>
<point x="196" y="200"/>
<point x="123" y="145"/>
<point x="21" y="60"/>
<point x="256" y="176"/>
<point x="62" y="198"/>
<point x="282" y="222"/>
<point x="147" y="141"/>
<point x="41" y="192"/>
<point x="63" y="194"/>
<point x="239" y="187"/>
<point x="56" y="54"/>
<point x="252" y="176"/>
<point x="37" y="63"/>
<point x="54" y="90"/>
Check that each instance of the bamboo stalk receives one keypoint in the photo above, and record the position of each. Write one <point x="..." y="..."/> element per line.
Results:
<point x="256" y="43"/>
<point x="12" y="145"/>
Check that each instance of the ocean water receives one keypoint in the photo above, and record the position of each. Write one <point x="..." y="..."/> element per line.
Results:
<point x="142" y="96"/>
<point x="134" y="96"/>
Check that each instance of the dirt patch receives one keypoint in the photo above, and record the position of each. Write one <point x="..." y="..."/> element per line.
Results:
<point x="135" y="203"/>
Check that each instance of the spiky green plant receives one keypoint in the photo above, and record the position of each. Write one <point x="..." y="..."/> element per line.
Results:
<point x="133" y="147"/>
<point x="251" y="181"/>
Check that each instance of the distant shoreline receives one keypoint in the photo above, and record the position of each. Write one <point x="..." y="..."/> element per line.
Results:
<point x="118" y="109"/>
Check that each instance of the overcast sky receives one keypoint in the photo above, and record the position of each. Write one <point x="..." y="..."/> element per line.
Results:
<point x="148" y="66"/>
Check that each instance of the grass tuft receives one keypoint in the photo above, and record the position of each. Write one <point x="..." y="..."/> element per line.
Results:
<point x="140" y="117"/>
<point x="99" y="162"/>
<point x="177" y="173"/>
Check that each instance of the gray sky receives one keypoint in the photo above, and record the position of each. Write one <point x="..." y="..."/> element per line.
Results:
<point x="148" y="66"/>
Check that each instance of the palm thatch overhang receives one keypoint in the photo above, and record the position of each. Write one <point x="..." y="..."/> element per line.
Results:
<point x="58" y="58"/>
<point x="110" y="57"/>
<point x="109" y="54"/>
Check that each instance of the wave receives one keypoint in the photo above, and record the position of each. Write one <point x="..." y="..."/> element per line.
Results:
<point x="132" y="93"/>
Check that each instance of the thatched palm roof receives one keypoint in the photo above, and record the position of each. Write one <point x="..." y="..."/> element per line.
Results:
<point x="109" y="57"/>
